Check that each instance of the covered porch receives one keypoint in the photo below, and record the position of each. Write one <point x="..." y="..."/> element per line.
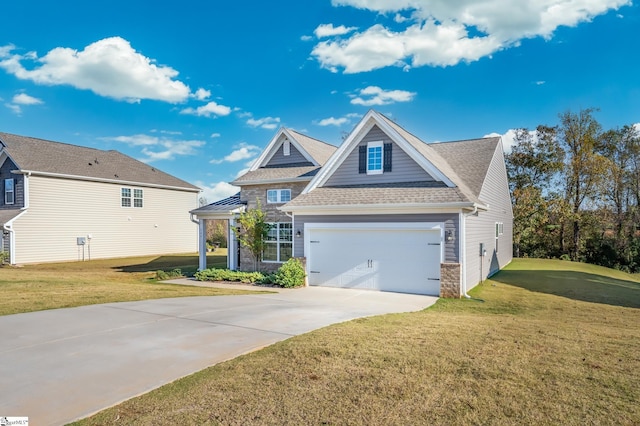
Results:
<point x="227" y="209"/>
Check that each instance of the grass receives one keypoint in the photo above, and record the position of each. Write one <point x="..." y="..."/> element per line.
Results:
<point x="552" y="343"/>
<point x="64" y="285"/>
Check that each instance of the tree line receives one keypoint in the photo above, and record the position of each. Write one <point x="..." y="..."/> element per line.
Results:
<point x="575" y="189"/>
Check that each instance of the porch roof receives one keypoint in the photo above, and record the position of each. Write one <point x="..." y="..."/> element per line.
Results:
<point x="222" y="208"/>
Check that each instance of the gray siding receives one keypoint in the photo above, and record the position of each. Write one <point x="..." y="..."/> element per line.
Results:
<point x="450" y="223"/>
<point x="5" y="173"/>
<point x="481" y="228"/>
<point x="403" y="167"/>
<point x="295" y="157"/>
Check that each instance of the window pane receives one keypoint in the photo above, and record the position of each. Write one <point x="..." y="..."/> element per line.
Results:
<point x="272" y="196"/>
<point x="126" y="192"/>
<point x="285" y="252"/>
<point x="126" y="202"/>
<point x="270" y="253"/>
<point x="374" y="160"/>
<point x="137" y="202"/>
<point x="137" y="193"/>
<point x="8" y="185"/>
<point x="272" y="234"/>
<point x="285" y="195"/>
<point x="285" y="232"/>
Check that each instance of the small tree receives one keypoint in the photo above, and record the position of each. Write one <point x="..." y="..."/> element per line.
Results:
<point x="253" y="231"/>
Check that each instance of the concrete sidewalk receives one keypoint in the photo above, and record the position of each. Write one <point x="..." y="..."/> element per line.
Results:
<point x="61" y="365"/>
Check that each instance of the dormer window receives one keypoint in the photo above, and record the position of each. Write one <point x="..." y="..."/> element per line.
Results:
<point x="278" y="196"/>
<point x="286" y="148"/>
<point x="9" y="191"/>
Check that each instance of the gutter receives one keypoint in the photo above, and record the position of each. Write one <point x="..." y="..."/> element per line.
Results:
<point x="382" y="208"/>
<point x="12" y="238"/>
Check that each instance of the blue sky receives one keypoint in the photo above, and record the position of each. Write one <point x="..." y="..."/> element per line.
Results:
<point x="198" y="88"/>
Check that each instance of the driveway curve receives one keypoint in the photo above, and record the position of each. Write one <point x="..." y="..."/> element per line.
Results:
<point x="65" y="364"/>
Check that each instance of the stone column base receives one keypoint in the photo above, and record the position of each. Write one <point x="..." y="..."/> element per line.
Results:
<point x="450" y="280"/>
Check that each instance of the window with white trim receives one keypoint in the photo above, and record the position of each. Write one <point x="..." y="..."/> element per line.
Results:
<point x="278" y="196"/>
<point x="9" y="191"/>
<point x="131" y="198"/>
<point x="286" y="148"/>
<point x="278" y="245"/>
<point x="499" y="231"/>
<point x="375" y="156"/>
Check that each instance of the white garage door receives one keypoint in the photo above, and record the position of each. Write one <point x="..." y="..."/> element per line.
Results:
<point x="400" y="259"/>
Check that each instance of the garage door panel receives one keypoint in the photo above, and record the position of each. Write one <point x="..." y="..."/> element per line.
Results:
<point x="399" y="260"/>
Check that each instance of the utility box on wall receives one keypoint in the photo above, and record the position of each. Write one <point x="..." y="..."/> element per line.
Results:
<point x="81" y="241"/>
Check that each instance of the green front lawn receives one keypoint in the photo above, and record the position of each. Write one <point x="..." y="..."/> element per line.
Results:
<point x="64" y="285"/>
<point x="551" y="343"/>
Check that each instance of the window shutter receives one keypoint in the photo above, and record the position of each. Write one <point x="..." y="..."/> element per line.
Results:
<point x="362" y="159"/>
<point x="387" y="157"/>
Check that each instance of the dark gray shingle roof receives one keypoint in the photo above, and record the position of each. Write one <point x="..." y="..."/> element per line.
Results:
<point x="39" y="155"/>
<point x="224" y="205"/>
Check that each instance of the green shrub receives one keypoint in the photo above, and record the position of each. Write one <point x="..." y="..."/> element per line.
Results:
<point x="4" y="257"/>
<point x="214" y="274"/>
<point x="290" y="274"/>
<point x="166" y="275"/>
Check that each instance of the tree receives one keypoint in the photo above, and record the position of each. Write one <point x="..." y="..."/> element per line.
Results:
<point x="253" y="231"/>
<point x="580" y="136"/>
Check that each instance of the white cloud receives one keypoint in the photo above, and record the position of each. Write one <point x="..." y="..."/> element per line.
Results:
<point x="212" y="108"/>
<point x="109" y="67"/>
<point x="24" y="99"/>
<point x="306" y="38"/>
<point x="159" y="148"/>
<point x="509" y="138"/>
<point x="269" y="123"/>
<point x="374" y="95"/>
<point x="243" y="152"/>
<point x="444" y="33"/>
<point x="202" y="94"/>
<point x="332" y="121"/>
<point x="540" y="82"/>
<point x="328" y="30"/>
<point x="217" y="191"/>
<point x="215" y="135"/>
<point x="15" y="108"/>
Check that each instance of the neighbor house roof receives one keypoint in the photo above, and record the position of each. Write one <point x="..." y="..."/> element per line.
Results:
<point x="41" y="156"/>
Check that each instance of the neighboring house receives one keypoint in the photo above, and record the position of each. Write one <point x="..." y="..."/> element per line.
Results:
<point x="385" y="211"/>
<point x="64" y="202"/>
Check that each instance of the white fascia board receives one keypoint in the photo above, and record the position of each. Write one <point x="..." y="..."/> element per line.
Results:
<point x="102" y="180"/>
<point x="342" y="152"/>
<point x="272" y="148"/>
<point x="270" y="181"/>
<point x="219" y="215"/>
<point x="381" y="209"/>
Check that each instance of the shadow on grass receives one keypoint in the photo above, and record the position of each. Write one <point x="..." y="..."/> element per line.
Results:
<point x="575" y="285"/>
<point x="187" y="264"/>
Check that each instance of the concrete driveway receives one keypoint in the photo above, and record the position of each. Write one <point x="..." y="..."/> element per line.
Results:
<point x="62" y="365"/>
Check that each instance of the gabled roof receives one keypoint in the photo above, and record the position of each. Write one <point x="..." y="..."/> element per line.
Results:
<point x="459" y="168"/>
<point x="315" y="152"/>
<point x="44" y="157"/>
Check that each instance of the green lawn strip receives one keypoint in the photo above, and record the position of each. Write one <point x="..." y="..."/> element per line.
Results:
<point x="64" y="285"/>
<point x="522" y="356"/>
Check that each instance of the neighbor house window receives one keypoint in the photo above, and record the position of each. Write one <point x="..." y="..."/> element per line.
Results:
<point x="127" y="196"/>
<point x="279" y="243"/>
<point x="374" y="158"/>
<point x="499" y="231"/>
<point x="9" y="191"/>
<point x="278" y="195"/>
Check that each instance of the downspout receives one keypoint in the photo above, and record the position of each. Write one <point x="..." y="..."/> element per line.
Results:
<point x="9" y="226"/>
<point x="463" y="248"/>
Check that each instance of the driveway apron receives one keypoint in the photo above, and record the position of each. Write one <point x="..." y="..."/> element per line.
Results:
<point x="62" y="365"/>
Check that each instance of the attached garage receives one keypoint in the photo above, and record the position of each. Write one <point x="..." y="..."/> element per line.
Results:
<point x="398" y="257"/>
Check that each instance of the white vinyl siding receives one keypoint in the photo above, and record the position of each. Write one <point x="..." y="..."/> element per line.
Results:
<point x="48" y="231"/>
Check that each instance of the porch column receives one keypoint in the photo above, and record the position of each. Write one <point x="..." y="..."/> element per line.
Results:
<point x="232" y="262"/>
<point x="202" y="244"/>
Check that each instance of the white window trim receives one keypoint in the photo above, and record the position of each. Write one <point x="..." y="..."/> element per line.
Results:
<point x="278" y="242"/>
<point x="131" y="198"/>
<point x="278" y="196"/>
<point x="12" y="192"/>
<point x="376" y="144"/>
<point x="498" y="230"/>
<point x="286" y="148"/>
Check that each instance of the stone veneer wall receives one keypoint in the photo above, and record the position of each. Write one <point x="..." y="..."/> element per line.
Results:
<point x="450" y="280"/>
<point x="251" y="193"/>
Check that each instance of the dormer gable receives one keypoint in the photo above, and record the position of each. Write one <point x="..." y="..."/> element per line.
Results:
<point x="289" y="148"/>
<point x="375" y="152"/>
